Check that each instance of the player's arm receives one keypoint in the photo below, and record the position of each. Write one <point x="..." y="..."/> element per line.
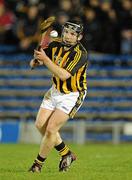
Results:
<point x="35" y="62"/>
<point x="78" y="62"/>
<point x="55" y="69"/>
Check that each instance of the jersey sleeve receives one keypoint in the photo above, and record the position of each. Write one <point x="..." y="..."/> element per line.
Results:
<point x="76" y="63"/>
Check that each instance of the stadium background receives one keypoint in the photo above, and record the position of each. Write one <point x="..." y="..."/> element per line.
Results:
<point x="107" y="111"/>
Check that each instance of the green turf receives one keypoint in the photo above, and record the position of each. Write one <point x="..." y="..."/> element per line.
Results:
<point x="95" y="162"/>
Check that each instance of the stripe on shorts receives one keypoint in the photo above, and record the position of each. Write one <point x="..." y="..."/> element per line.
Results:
<point x="79" y="102"/>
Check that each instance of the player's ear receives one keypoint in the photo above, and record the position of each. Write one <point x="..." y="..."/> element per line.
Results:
<point x="80" y="37"/>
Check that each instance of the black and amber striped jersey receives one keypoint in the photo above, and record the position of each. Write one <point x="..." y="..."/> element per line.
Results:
<point x="75" y="61"/>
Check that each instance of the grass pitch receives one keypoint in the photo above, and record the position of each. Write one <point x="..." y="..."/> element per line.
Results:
<point x="95" y="162"/>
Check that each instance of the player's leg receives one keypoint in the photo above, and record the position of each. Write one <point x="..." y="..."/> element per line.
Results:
<point x="67" y="157"/>
<point x="60" y="146"/>
<point x="42" y="119"/>
<point x="51" y="137"/>
<point x="45" y="111"/>
<point x="58" y="139"/>
<point x="70" y="105"/>
<point x="55" y="122"/>
<point x="41" y="124"/>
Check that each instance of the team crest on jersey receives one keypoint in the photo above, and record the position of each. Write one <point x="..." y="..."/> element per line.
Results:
<point x="57" y="60"/>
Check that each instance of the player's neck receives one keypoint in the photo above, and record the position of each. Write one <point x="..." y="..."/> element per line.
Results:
<point x="66" y="48"/>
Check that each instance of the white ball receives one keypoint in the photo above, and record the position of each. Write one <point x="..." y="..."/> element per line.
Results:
<point x="54" y="34"/>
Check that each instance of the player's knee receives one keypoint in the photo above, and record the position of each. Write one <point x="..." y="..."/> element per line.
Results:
<point x="38" y="125"/>
<point x="50" y="131"/>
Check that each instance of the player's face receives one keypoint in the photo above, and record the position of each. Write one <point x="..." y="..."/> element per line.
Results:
<point x="69" y="36"/>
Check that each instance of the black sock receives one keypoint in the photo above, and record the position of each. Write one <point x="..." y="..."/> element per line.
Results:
<point x="63" y="149"/>
<point x="40" y="160"/>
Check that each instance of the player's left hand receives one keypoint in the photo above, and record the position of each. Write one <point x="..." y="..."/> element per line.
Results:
<point x="40" y="55"/>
